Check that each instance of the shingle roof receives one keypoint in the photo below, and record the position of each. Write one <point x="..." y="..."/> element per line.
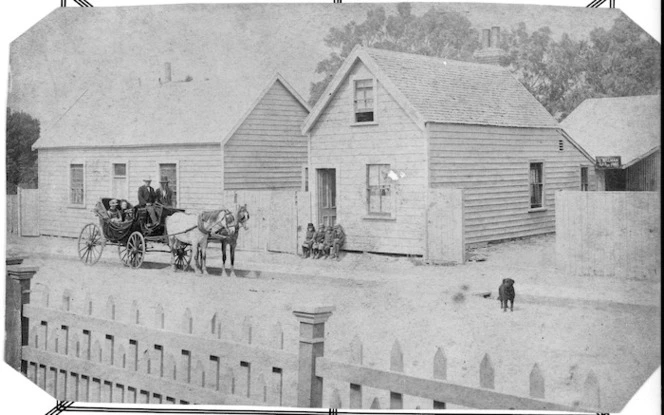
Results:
<point x="449" y="91"/>
<point x="628" y="127"/>
<point x="196" y="112"/>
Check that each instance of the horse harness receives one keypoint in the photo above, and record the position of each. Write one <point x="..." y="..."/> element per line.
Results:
<point x="201" y="227"/>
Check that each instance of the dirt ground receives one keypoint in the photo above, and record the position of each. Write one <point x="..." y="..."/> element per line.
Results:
<point x="566" y="324"/>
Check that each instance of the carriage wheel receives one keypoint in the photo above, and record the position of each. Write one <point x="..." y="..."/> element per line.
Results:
<point x="90" y="244"/>
<point x="182" y="256"/>
<point x="135" y="250"/>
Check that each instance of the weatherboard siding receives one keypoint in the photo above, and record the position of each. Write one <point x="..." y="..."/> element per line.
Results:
<point x="268" y="151"/>
<point x="645" y="175"/>
<point x="492" y="165"/>
<point x="199" y="176"/>
<point x="396" y="140"/>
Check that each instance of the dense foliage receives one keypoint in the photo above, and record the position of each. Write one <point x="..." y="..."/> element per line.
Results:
<point x="562" y="73"/>
<point x="22" y="132"/>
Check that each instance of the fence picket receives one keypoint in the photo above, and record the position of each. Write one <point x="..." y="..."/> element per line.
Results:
<point x="213" y="325"/>
<point x="87" y="305"/>
<point x="187" y="322"/>
<point x="212" y="374"/>
<point x="356" y="358"/>
<point x="536" y="383"/>
<point x="74" y="349"/>
<point x="375" y="404"/>
<point x="134" y="313"/>
<point x="159" y="317"/>
<point x="335" y="400"/>
<point x="110" y="308"/>
<point x="227" y="381"/>
<point x="261" y="388"/>
<point x="144" y="362"/>
<point x="184" y="369"/>
<point x="439" y="372"/>
<point x="96" y="353"/>
<point x="35" y="339"/>
<point x="170" y="367"/>
<point x="72" y="387"/>
<point x="56" y="341"/>
<point x="396" y="365"/>
<point x="276" y="393"/>
<point x="61" y="393"/>
<point x="198" y="376"/>
<point x="486" y="373"/>
<point x="591" y="396"/>
<point x="120" y="356"/>
<point x="95" y="390"/>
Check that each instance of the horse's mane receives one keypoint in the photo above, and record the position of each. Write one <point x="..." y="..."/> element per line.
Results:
<point x="211" y="214"/>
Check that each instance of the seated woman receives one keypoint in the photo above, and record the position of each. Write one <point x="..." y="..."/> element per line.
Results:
<point x="308" y="243"/>
<point x="127" y="212"/>
<point x="114" y="213"/>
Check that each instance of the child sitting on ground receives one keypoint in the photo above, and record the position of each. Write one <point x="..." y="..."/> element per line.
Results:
<point x="338" y="240"/>
<point x="319" y="237"/>
<point x="308" y="243"/>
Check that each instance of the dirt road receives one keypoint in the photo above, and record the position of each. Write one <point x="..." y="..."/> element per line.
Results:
<point x="568" y="325"/>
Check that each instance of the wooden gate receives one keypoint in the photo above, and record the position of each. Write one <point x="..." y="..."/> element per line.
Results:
<point x="278" y="219"/>
<point x="445" y="230"/>
<point x="28" y="212"/>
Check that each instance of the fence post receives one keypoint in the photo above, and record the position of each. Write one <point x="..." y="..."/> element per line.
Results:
<point x="312" y="345"/>
<point x="16" y="326"/>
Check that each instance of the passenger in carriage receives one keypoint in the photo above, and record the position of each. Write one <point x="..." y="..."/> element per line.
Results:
<point x="127" y="212"/>
<point x="164" y="195"/>
<point x="339" y="238"/>
<point x="328" y="241"/>
<point x="113" y="212"/>
<point x="307" y="245"/>
<point x="319" y="237"/>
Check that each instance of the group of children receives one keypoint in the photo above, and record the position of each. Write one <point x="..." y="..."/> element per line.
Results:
<point x="120" y="214"/>
<point x="323" y="242"/>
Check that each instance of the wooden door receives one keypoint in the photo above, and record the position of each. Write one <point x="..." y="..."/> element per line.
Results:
<point x="327" y="196"/>
<point x="28" y="205"/>
<point x="282" y="220"/>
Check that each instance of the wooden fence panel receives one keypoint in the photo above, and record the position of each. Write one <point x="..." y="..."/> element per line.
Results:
<point x="28" y="215"/>
<point x="12" y="214"/>
<point x="608" y="233"/>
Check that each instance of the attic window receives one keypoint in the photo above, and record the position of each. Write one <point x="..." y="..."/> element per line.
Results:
<point x="364" y="100"/>
<point x="561" y="145"/>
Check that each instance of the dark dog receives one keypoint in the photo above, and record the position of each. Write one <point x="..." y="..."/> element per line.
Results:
<point x="506" y="293"/>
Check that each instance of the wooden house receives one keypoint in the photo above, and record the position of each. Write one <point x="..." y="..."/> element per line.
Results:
<point x="624" y="135"/>
<point x="392" y="128"/>
<point x="204" y="136"/>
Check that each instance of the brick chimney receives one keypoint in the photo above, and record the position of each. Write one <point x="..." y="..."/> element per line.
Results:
<point x="490" y="52"/>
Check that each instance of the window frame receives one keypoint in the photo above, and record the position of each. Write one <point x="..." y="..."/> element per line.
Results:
<point x="587" y="184"/>
<point x="367" y="189"/>
<point x="126" y="163"/>
<point x="305" y="178"/>
<point x="156" y="184"/>
<point x="70" y="204"/>
<point x="542" y="184"/>
<point x="374" y="86"/>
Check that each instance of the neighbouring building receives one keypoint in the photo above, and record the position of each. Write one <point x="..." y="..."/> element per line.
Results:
<point x="204" y="136"/>
<point x="391" y="128"/>
<point x="624" y="136"/>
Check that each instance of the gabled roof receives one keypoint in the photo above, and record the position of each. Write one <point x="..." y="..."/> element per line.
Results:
<point x="444" y="91"/>
<point x="196" y="112"/>
<point x="629" y="127"/>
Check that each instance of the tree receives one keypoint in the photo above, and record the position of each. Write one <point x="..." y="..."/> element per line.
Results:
<point x="623" y="61"/>
<point x="22" y="132"/>
<point x="443" y="34"/>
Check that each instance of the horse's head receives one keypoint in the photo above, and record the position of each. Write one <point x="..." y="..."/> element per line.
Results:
<point x="215" y="221"/>
<point x="242" y="216"/>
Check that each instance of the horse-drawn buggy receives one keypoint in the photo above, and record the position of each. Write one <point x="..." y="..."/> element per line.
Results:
<point x="183" y="234"/>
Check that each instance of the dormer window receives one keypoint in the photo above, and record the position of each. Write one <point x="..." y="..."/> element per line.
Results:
<point x="364" y="100"/>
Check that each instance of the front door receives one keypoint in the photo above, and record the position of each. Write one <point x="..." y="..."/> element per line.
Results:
<point x="327" y="196"/>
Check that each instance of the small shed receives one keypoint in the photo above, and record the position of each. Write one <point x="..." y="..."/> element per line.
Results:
<point x="204" y="136"/>
<point x="624" y="135"/>
<point x="396" y="136"/>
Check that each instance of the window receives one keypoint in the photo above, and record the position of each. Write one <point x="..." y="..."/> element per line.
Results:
<point x="120" y="187"/>
<point x="364" y="100"/>
<point x="536" y="185"/>
<point x="170" y="172"/>
<point x="584" y="179"/>
<point x="76" y="184"/>
<point x="305" y="179"/>
<point x="379" y="189"/>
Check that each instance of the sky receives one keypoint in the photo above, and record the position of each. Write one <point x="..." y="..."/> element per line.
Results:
<point x="16" y="17"/>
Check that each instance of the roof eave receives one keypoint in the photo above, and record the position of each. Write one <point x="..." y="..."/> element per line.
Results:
<point x="577" y="145"/>
<point x="641" y="157"/>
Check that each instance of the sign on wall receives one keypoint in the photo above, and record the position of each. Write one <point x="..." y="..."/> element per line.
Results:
<point x="608" y="162"/>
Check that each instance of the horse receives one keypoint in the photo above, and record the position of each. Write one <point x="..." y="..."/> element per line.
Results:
<point x="231" y="240"/>
<point x="185" y="228"/>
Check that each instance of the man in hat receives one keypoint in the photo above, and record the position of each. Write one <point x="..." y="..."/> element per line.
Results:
<point x="164" y="193"/>
<point x="339" y="238"/>
<point x="146" y="197"/>
<point x="308" y="243"/>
